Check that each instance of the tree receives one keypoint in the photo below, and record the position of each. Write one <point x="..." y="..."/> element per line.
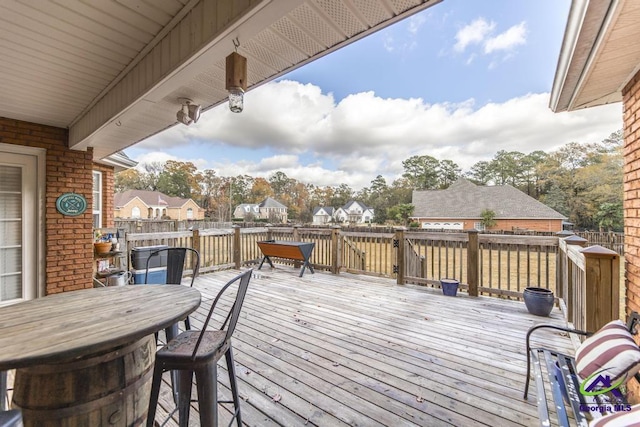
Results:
<point x="260" y="190"/>
<point x="610" y="217"/>
<point x="480" y="173"/>
<point x="421" y="172"/>
<point x="342" y="194"/>
<point x="130" y="179"/>
<point x="178" y="179"/>
<point x="506" y="168"/>
<point x="401" y="212"/>
<point x="448" y="173"/>
<point x="488" y="218"/>
<point x="279" y="183"/>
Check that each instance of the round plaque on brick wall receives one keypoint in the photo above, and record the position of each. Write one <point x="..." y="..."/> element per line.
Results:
<point x="71" y="204"/>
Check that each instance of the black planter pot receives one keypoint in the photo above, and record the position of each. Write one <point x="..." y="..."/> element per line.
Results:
<point x="539" y="301"/>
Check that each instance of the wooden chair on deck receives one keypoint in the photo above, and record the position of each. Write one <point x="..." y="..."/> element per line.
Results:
<point x="198" y="352"/>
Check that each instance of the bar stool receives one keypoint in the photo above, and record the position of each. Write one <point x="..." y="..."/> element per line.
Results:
<point x="197" y="352"/>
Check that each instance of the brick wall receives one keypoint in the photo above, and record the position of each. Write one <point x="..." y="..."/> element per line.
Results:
<point x="631" y="118"/>
<point x="553" y="225"/>
<point x="68" y="240"/>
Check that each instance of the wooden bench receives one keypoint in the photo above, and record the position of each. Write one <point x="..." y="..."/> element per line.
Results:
<point x="297" y="251"/>
<point x="564" y="383"/>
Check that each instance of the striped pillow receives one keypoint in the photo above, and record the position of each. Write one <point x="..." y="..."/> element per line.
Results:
<point x="619" y="419"/>
<point x="610" y="350"/>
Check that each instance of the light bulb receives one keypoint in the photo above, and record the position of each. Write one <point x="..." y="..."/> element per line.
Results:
<point x="236" y="99"/>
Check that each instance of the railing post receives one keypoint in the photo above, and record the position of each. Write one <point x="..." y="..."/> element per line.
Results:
<point x="237" y="257"/>
<point x="569" y="288"/>
<point x="336" y="249"/>
<point x="296" y="238"/>
<point x="398" y="243"/>
<point x="269" y="232"/>
<point x="195" y="244"/>
<point x="473" y="262"/>
<point x="602" y="268"/>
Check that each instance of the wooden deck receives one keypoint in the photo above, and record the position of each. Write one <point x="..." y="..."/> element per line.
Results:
<point x="334" y="350"/>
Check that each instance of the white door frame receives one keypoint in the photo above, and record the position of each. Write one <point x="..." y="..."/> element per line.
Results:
<point x="34" y="213"/>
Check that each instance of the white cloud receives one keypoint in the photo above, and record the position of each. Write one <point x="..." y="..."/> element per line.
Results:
<point x="415" y="22"/>
<point x="507" y="40"/>
<point x="474" y="33"/>
<point x="481" y="33"/>
<point x="365" y="135"/>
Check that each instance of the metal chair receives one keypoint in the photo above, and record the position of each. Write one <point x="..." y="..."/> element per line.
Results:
<point x="198" y="352"/>
<point x="176" y="260"/>
<point x="3" y="391"/>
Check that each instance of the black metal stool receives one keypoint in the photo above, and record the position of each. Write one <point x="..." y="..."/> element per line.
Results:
<point x="198" y="352"/>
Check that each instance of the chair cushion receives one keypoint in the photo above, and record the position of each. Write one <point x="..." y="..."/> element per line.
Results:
<point x="619" y="419"/>
<point x="611" y="351"/>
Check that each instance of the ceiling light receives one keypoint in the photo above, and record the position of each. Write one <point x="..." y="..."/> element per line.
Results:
<point x="189" y="112"/>
<point x="236" y="73"/>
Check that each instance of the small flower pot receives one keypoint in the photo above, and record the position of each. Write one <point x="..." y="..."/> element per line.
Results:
<point x="449" y="287"/>
<point x="102" y="247"/>
<point x="539" y="301"/>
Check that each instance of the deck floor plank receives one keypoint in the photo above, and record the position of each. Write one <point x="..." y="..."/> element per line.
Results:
<point x="355" y="350"/>
<point x="358" y="350"/>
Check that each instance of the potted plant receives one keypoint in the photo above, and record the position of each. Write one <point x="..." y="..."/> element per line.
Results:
<point x="539" y="301"/>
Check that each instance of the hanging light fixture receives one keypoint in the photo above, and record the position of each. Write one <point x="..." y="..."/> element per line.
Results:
<point x="189" y="112"/>
<point x="236" y="73"/>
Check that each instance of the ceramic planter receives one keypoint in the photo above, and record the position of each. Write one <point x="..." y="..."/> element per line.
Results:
<point x="539" y="301"/>
<point x="449" y="287"/>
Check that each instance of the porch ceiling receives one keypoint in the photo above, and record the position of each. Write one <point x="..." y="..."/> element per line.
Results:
<point x="599" y="54"/>
<point x="112" y="71"/>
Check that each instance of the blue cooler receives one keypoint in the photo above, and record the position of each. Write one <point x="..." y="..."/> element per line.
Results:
<point x="157" y="265"/>
<point x="156" y="276"/>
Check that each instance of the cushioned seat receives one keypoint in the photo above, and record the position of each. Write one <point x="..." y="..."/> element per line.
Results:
<point x="629" y="418"/>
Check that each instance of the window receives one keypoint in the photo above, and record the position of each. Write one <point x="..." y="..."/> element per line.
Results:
<point x="97" y="199"/>
<point x="189" y="213"/>
<point x="478" y="226"/>
<point x="135" y="212"/>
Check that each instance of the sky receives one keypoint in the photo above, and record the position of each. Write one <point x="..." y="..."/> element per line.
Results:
<point x="459" y="81"/>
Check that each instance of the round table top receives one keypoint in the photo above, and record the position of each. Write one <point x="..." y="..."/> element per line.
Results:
<point x="69" y="325"/>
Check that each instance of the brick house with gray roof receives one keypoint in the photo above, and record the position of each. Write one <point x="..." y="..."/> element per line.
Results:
<point x="459" y="207"/>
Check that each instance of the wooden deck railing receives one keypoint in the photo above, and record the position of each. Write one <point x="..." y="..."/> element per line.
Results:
<point x="490" y="264"/>
<point x="589" y="284"/>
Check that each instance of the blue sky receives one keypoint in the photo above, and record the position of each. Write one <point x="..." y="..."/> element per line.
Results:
<point x="460" y="81"/>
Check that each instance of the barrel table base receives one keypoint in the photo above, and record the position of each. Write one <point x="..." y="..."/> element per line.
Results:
<point x="107" y="389"/>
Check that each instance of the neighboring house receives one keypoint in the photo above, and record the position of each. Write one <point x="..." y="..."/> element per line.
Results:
<point x="146" y="204"/>
<point x="354" y="212"/>
<point x="459" y="207"/>
<point x="269" y="209"/>
<point x="323" y="215"/>
<point x="247" y="211"/>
